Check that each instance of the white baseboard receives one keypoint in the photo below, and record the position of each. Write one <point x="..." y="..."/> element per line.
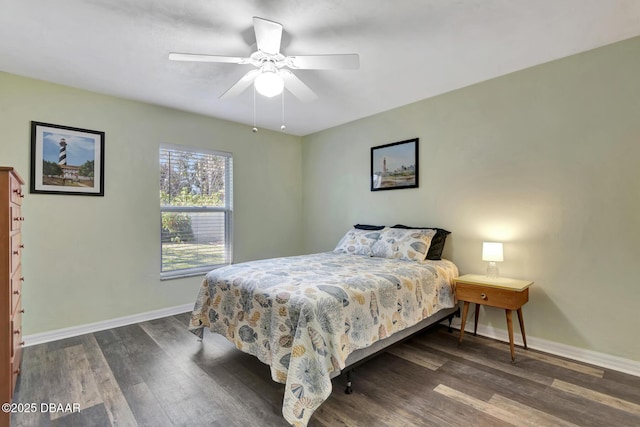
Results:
<point x="603" y="360"/>
<point x="74" y="331"/>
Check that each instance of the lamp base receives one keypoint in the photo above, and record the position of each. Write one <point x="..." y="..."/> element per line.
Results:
<point x="492" y="270"/>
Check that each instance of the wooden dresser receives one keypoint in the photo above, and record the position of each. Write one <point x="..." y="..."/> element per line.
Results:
<point x="10" y="284"/>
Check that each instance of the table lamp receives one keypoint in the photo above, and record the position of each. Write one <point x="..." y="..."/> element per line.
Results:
<point x="492" y="252"/>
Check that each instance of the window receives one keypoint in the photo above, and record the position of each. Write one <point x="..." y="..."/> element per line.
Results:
<point x="196" y="209"/>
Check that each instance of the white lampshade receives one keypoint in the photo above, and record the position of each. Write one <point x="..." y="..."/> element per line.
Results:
<point x="269" y="84"/>
<point x="492" y="251"/>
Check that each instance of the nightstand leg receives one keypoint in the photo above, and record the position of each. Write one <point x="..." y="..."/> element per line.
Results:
<point x="465" y="311"/>
<point x="475" y="324"/>
<point x="521" y="320"/>
<point x="510" y="328"/>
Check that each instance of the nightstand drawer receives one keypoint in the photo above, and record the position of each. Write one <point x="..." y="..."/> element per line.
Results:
<point x="495" y="297"/>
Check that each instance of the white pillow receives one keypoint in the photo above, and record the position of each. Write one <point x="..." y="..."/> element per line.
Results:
<point x="358" y="242"/>
<point x="407" y="244"/>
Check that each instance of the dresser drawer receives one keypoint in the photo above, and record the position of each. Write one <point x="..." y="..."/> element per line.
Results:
<point x="16" y="288"/>
<point x="15" y="368"/>
<point x="496" y="297"/>
<point x="16" y="330"/>
<point x="16" y="251"/>
<point x="16" y="190"/>
<point x="16" y="219"/>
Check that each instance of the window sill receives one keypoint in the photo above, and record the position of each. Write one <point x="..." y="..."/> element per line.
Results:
<point x="181" y="274"/>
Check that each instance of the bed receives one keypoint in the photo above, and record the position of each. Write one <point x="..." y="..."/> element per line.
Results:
<point x="309" y="317"/>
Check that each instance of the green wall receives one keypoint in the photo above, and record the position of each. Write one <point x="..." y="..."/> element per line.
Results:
<point x="89" y="259"/>
<point x="544" y="160"/>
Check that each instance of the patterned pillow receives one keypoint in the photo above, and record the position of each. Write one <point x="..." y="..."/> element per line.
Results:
<point x="410" y="245"/>
<point x="357" y="242"/>
<point x="437" y="243"/>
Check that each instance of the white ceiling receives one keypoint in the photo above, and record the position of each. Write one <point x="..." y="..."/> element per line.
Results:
<point x="409" y="50"/>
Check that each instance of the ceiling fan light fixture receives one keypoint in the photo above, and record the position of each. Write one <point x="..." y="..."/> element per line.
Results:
<point x="269" y="84"/>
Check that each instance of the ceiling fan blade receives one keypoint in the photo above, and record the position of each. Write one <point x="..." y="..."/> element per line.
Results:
<point x="173" y="56"/>
<point x="349" y="61"/>
<point x="297" y="87"/>
<point x="268" y="35"/>
<point x="239" y="87"/>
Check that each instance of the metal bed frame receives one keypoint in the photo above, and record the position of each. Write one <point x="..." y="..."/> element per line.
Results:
<point x="362" y="355"/>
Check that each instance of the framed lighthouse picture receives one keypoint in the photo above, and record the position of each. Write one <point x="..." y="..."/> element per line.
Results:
<point x="66" y="160"/>
<point x="395" y="166"/>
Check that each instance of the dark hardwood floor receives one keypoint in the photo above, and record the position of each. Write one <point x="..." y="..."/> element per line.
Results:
<point x="156" y="374"/>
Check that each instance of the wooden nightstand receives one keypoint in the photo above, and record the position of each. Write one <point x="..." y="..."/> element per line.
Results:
<point x="509" y="294"/>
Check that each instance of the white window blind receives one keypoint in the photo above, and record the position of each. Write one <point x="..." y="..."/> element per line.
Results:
<point x="196" y="210"/>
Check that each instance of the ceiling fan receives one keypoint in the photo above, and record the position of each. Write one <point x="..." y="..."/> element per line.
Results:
<point x="272" y="73"/>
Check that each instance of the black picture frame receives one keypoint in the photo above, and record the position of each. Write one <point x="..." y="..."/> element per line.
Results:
<point x="66" y="160"/>
<point x="395" y="166"/>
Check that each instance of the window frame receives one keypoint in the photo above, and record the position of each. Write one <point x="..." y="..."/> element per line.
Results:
<point x="227" y="210"/>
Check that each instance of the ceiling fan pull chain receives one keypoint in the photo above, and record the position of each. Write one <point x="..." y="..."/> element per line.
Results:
<point x="255" y="129"/>
<point x="283" y="127"/>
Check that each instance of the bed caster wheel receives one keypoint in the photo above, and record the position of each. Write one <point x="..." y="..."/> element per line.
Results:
<point x="348" y="390"/>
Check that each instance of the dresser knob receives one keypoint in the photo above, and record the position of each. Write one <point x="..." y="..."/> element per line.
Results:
<point x="483" y="296"/>
<point x="17" y="371"/>
<point x="22" y="279"/>
<point x="21" y="343"/>
<point x="21" y="196"/>
<point x="21" y="218"/>
<point x="17" y="332"/>
<point x="16" y="292"/>
<point x="22" y="311"/>
<point x="16" y="252"/>
<point x="21" y="246"/>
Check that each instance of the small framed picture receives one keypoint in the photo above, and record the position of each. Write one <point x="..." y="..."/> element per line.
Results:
<point x="395" y="166"/>
<point x="66" y="160"/>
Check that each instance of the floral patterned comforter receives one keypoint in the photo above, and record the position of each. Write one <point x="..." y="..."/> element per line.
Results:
<point x="304" y="315"/>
